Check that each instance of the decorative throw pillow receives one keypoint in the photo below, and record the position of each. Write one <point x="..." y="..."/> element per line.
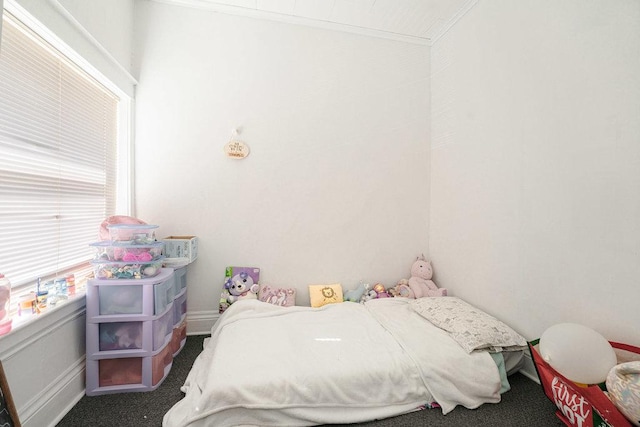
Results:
<point x="285" y="297"/>
<point x="325" y="294"/>
<point x="471" y="327"/>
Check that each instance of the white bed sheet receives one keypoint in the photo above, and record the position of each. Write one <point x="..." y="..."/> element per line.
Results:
<point x="342" y="363"/>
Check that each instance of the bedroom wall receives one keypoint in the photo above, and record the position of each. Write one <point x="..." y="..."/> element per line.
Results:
<point x="336" y="186"/>
<point x="101" y="19"/>
<point x="535" y="163"/>
<point x="101" y="32"/>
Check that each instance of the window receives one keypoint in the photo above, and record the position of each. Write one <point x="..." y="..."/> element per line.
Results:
<point x="58" y="157"/>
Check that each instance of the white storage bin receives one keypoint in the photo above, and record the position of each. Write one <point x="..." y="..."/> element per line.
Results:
<point x="180" y="280"/>
<point x="118" y="251"/>
<point x="120" y="336"/>
<point x="138" y="234"/>
<point x="180" y="308"/>
<point x="121" y="270"/>
<point x="122" y="374"/>
<point x="119" y="300"/>
<point x="164" y="294"/>
<point x="131" y="338"/>
<point x="181" y="247"/>
<point x="163" y="329"/>
<point x="126" y="299"/>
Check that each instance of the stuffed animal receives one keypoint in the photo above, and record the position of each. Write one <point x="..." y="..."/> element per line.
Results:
<point x="381" y="292"/>
<point x="420" y="282"/>
<point x="369" y="294"/>
<point x="355" y="295"/>
<point x="241" y="286"/>
<point x="402" y="289"/>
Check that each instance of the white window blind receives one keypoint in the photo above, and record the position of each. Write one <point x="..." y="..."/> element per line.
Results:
<point x="58" y="146"/>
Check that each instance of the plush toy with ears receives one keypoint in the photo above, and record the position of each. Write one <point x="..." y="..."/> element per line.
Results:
<point x="355" y="295"/>
<point x="420" y="282"/>
<point x="241" y="286"/>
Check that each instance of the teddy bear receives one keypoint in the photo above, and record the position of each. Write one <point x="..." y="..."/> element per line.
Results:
<point x="241" y="286"/>
<point x="420" y="282"/>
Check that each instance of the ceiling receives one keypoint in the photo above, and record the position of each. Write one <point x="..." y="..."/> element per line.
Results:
<point x="414" y="21"/>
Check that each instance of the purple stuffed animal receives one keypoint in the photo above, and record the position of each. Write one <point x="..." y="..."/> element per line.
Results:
<point x="241" y="286"/>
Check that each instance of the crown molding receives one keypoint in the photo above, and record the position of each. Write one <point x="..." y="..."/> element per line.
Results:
<point x="297" y="20"/>
<point x="454" y="19"/>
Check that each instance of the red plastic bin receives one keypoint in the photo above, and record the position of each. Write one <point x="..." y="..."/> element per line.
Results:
<point x="582" y="406"/>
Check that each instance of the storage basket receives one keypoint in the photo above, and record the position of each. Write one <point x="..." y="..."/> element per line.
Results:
<point x="582" y="406"/>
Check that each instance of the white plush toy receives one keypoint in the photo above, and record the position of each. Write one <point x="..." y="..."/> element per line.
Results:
<point x="420" y="282"/>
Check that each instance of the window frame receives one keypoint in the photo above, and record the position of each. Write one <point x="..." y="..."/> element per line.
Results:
<point x="124" y="138"/>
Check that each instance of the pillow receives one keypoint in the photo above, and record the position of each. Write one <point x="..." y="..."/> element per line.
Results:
<point x="471" y="327"/>
<point x="285" y="297"/>
<point x="325" y="294"/>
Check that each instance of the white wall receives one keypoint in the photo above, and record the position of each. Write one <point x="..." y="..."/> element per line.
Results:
<point x="535" y="162"/>
<point x="110" y="23"/>
<point x="336" y="186"/>
<point x="98" y="31"/>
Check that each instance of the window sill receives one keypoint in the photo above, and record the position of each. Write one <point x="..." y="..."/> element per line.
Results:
<point x="25" y="332"/>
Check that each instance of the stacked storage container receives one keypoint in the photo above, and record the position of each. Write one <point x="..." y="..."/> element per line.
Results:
<point x="179" y="311"/>
<point x="130" y="313"/>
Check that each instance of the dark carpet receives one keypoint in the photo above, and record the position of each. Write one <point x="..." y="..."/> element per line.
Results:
<point x="524" y="405"/>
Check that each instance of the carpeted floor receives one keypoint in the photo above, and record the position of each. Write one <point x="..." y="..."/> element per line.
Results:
<point x="525" y="405"/>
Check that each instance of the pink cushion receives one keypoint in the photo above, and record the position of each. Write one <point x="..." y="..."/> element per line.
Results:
<point x="285" y="297"/>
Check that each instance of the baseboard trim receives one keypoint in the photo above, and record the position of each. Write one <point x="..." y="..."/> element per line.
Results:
<point x="201" y="322"/>
<point x="51" y="405"/>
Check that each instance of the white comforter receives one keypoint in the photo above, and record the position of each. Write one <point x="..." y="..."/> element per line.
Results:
<point x="342" y="363"/>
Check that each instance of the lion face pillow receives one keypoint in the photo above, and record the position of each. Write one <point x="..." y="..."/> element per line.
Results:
<point x="320" y="295"/>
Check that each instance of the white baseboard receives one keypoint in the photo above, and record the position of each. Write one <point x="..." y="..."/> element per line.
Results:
<point x="201" y="322"/>
<point x="60" y="399"/>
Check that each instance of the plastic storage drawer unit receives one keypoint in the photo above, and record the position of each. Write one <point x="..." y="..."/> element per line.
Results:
<point x="179" y="338"/>
<point x="179" y="308"/>
<point x="133" y="234"/>
<point x="130" y="333"/>
<point x="144" y="297"/>
<point x="129" y="336"/>
<point x="122" y="374"/>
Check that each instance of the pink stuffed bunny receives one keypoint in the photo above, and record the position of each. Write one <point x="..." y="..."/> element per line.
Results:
<point x="420" y="282"/>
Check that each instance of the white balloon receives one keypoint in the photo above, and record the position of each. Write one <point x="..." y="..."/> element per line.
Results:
<point x="579" y="353"/>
